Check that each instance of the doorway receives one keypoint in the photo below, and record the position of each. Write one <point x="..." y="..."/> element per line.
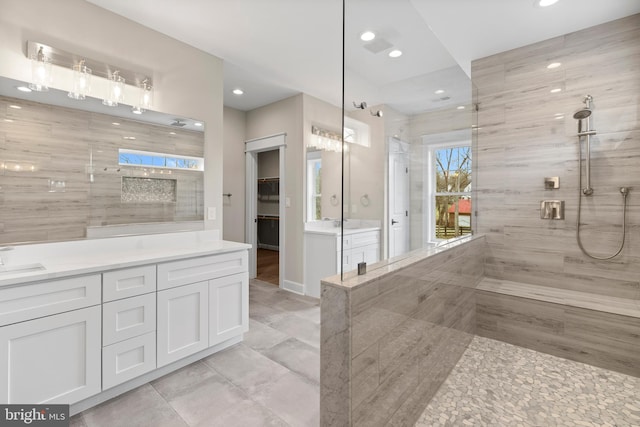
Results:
<point x="398" y="199"/>
<point x="268" y="225"/>
<point x="265" y="213"/>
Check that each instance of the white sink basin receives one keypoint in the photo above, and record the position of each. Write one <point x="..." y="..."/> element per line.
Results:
<point x="24" y="268"/>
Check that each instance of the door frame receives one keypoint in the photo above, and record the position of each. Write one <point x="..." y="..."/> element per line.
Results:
<point x="252" y="148"/>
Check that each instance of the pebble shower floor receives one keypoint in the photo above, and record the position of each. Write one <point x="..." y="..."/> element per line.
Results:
<point x="499" y="384"/>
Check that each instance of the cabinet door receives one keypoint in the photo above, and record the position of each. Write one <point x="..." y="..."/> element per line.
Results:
<point x="54" y="359"/>
<point x="182" y="322"/>
<point x="228" y="307"/>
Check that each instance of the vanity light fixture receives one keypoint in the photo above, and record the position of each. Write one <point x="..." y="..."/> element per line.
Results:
<point x="367" y="36"/>
<point x="116" y="90"/>
<point x="554" y="65"/>
<point x="238" y="91"/>
<point x="40" y="71"/>
<point x="81" y="81"/>
<point x="23" y="89"/>
<point x="395" y="53"/>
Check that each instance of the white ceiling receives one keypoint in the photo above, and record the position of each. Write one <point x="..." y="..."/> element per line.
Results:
<point x="277" y="48"/>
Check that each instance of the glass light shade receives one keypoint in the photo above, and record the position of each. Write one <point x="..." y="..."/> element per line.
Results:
<point x="81" y="81"/>
<point x="40" y="72"/>
<point x="116" y="90"/>
<point x="145" y="98"/>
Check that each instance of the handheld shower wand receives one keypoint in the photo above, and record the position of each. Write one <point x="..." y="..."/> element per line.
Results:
<point x="580" y="115"/>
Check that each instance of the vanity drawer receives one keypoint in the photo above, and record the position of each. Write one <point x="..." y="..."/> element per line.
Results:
<point x="364" y="239"/>
<point x="20" y="303"/>
<point x="128" y="282"/>
<point x="128" y="359"/>
<point x="128" y="318"/>
<point x="345" y="241"/>
<point x="184" y="272"/>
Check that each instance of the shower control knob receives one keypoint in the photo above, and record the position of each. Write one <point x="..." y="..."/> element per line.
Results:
<point x="587" y="191"/>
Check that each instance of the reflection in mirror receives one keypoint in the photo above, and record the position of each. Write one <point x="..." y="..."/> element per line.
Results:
<point x="75" y="169"/>
<point x="412" y="185"/>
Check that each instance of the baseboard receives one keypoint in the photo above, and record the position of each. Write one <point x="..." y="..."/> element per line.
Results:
<point x="292" y="286"/>
<point x="83" y="405"/>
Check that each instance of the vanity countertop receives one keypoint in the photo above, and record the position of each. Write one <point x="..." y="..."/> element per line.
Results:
<point x="89" y="256"/>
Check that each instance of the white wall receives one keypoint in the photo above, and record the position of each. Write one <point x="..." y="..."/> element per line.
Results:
<point x="187" y="82"/>
<point x="234" y="175"/>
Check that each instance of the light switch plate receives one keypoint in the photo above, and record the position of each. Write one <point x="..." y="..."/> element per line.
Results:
<point x="211" y="213"/>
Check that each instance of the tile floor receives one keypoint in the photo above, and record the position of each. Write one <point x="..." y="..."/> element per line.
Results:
<point x="498" y="384"/>
<point x="270" y="379"/>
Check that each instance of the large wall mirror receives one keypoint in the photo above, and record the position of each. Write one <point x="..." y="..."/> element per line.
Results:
<point x="76" y="169"/>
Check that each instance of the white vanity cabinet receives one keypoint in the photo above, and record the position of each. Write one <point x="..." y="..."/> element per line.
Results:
<point x="194" y="316"/>
<point x="82" y="335"/>
<point x="54" y="357"/>
<point x="323" y="257"/>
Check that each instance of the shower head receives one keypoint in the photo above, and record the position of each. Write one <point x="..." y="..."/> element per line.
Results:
<point x="583" y="113"/>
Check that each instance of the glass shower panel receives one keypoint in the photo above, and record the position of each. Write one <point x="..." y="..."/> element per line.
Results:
<point x="406" y="101"/>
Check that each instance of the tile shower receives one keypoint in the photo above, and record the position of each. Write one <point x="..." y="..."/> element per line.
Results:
<point x="382" y="359"/>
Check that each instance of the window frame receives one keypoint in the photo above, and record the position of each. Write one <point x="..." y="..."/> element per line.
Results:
<point x="313" y="158"/>
<point x="430" y="199"/>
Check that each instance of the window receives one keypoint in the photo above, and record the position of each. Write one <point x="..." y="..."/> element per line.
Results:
<point x="451" y="191"/>
<point x="159" y="160"/>
<point x="314" y="186"/>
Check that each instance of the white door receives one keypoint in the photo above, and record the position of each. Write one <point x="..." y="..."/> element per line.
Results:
<point x="398" y="203"/>
<point x="228" y="307"/>
<point x="55" y="359"/>
<point x="183" y="319"/>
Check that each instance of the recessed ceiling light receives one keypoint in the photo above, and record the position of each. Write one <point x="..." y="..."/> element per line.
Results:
<point x="556" y="90"/>
<point x="554" y="65"/>
<point x="15" y="107"/>
<point x="460" y="107"/>
<point x="23" y="89"/>
<point x="439" y="91"/>
<point x="367" y="36"/>
<point x="197" y="124"/>
<point x="238" y="91"/>
<point x="395" y="53"/>
<point x="544" y="3"/>
<point x="115" y="124"/>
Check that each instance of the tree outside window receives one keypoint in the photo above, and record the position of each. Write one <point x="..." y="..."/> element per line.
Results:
<point x="452" y="191"/>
